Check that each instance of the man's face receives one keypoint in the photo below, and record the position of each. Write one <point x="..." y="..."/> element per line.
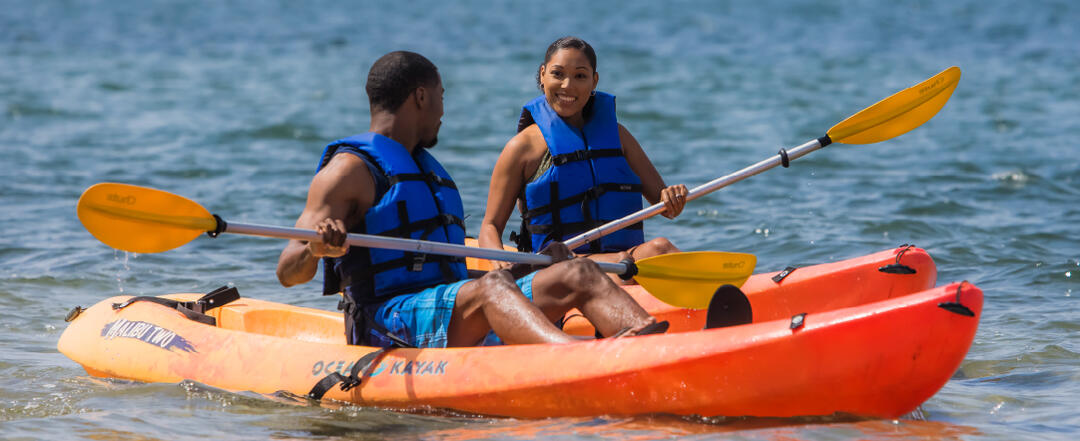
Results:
<point x="431" y="118"/>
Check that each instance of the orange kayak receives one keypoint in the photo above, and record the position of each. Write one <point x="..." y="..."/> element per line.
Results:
<point x="835" y="338"/>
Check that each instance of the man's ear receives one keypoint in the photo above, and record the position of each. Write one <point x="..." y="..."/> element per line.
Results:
<point x="420" y="97"/>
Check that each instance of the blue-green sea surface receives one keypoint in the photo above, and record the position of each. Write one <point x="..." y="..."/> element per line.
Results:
<point x="230" y="104"/>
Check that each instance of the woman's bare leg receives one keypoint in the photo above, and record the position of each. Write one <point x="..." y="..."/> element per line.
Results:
<point x="655" y="247"/>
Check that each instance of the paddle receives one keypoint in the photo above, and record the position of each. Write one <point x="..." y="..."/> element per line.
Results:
<point x="889" y="118"/>
<point x="145" y="220"/>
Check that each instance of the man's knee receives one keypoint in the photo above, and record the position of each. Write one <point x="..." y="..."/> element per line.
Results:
<point x="581" y="272"/>
<point x="497" y="277"/>
<point x="495" y="285"/>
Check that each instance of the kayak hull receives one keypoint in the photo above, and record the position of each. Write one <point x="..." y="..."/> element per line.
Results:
<point x="879" y="358"/>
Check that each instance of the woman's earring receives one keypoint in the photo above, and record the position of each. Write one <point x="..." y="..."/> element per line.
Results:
<point x="593" y="93"/>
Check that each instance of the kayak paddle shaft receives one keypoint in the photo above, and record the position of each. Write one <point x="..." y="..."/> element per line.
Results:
<point x="417" y="246"/>
<point x="781" y="159"/>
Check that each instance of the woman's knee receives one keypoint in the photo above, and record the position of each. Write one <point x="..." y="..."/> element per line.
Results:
<point x="656" y="247"/>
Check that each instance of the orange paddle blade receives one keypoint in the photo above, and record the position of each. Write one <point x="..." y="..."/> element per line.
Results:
<point x="140" y="219"/>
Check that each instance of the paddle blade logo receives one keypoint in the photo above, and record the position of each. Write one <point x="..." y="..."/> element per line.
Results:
<point x="147" y="332"/>
<point x="126" y="200"/>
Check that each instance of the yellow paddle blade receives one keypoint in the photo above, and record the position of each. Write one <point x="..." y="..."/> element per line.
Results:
<point x="899" y="113"/>
<point x="141" y="220"/>
<point x="688" y="280"/>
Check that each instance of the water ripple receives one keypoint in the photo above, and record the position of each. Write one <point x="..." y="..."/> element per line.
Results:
<point x="231" y="104"/>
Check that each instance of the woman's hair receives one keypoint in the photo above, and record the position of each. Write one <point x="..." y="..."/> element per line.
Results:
<point x="567" y="43"/>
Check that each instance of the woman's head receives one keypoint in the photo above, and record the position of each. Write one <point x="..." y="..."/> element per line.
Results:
<point x="568" y="75"/>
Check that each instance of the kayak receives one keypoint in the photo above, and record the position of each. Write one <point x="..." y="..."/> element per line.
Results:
<point x="843" y="337"/>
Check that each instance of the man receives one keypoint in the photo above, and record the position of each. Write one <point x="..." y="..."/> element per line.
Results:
<point x="385" y="182"/>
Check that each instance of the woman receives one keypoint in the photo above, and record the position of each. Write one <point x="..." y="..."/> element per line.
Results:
<point x="573" y="167"/>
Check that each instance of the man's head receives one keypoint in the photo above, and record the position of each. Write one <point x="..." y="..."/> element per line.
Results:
<point x="405" y="81"/>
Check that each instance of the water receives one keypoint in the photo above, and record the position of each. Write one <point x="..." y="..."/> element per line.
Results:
<point x="230" y="103"/>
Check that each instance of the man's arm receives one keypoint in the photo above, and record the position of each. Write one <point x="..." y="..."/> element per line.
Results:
<point x="339" y="196"/>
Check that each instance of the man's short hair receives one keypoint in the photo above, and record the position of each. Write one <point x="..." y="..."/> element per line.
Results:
<point x="396" y="75"/>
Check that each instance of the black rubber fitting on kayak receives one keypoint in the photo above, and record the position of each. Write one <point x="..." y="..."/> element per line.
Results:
<point x="74" y="314"/>
<point x="824" y="140"/>
<point x="783" y="274"/>
<point x="728" y="307"/>
<point x="216" y="298"/>
<point x="897" y="267"/>
<point x="797" y="321"/>
<point x="631" y="270"/>
<point x="784" y="161"/>
<point x="957" y="307"/>
<point x="220" y="226"/>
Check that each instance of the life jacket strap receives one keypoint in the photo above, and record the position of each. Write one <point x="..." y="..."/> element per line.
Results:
<point x="522" y="238"/>
<point x="585" y="155"/>
<point x="587" y="195"/>
<point x="424" y="177"/>
<point x="574" y="227"/>
<point x="405" y="261"/>
<point x="359" y="318"/>
<point x="426" y="225"/>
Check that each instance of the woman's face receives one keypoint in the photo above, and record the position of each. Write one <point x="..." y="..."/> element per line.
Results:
<point x="568" y="80"/>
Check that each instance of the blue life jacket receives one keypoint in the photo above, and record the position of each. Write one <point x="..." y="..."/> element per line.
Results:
<point x="419" y="201"/>
<point x="589" y="182"/>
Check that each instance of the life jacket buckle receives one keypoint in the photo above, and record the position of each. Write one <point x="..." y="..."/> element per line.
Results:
<point x="418" y="262"/>
<point x="595" y="193"/>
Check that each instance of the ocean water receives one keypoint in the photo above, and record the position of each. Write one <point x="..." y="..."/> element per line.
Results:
<point x="230" y="103"/>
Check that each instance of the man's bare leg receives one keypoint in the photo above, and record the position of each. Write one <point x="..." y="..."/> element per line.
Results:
<point x="494" y="302"/>
<point x="579" y="283"/>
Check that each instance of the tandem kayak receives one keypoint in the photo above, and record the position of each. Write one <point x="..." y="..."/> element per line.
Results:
<point x="844" y="337"/>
